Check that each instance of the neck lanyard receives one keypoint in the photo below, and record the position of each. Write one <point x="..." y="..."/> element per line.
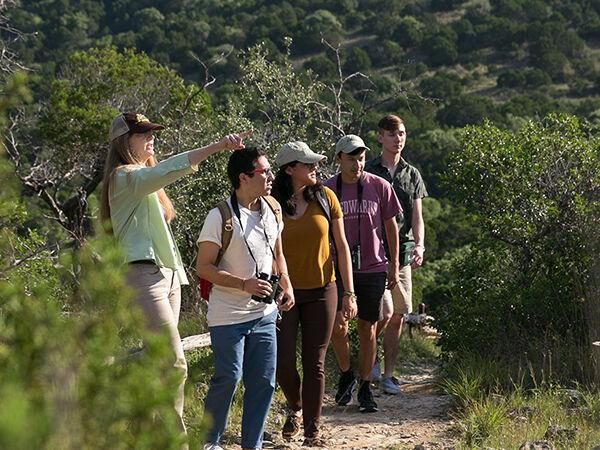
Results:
<point x="359" y="189"/>
<point x="236" y="211"/>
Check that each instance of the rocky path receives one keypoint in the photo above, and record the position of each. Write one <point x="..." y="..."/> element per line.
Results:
<point x="417" y="418"/>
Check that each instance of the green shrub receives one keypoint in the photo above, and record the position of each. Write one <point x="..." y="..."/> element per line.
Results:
<point x="71" y="382"/>
<point x="519" y="296"/>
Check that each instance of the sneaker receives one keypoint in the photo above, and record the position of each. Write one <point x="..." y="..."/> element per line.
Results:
<point x="211" y="446"/>
<point x="388" y="386"/>
<point x="376" y="371"/>
<point x="291" y="427"/>
<point x="346" y="386"/>
<point x="314" y="442"/>
<point x="366" y="402"/>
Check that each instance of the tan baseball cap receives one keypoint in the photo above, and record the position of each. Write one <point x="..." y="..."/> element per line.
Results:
<point x="297" y="151"/>
<point x="349" y="143"/>
<point x="130" y="122"/>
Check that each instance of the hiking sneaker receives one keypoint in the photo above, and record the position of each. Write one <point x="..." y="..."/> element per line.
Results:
<point x="211" y="446"/>
<point x="395" y="380"/>
<point x="314" y="442"/>
<point x="366" y="402"/>
<point x="291" y="427"/>
<point x="376" y="371"/>
<point x="346" y="386"/>
<point x="388" y="386"/>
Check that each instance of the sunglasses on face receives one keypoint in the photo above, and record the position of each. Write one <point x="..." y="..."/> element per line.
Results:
<point x="267" y="171"/>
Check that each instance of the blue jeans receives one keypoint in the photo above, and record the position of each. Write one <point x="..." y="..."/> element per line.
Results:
<point x="246" y="350"/>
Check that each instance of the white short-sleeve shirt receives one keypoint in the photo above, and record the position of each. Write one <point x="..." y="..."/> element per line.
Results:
<point x="228" y="306"/>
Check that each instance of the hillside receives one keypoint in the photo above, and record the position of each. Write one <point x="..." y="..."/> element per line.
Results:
<point x="458" y="62"/>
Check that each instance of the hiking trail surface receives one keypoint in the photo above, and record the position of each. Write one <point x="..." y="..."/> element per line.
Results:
<point x="419" y="417"/>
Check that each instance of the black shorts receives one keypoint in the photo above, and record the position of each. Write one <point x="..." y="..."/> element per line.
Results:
<point x="369" y="289"/>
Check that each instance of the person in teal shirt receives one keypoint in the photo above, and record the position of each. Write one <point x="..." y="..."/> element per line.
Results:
<point x="136" y="209"/>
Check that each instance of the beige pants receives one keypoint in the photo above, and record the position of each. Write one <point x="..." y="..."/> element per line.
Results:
<point x="159" y="296"/>
<point x="401" y="296"/>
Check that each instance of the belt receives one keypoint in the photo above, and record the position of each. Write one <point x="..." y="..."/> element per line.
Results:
<point x="143" y="261"/>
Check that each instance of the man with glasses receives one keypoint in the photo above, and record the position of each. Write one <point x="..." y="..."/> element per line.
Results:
<point x="242" y="310"/>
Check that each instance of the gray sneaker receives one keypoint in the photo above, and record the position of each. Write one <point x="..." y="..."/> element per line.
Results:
<point x="211" y="446"/>
<point x="388" y="386"/>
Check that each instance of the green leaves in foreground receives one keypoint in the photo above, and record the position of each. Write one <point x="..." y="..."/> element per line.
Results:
<point x="67" y="381"/>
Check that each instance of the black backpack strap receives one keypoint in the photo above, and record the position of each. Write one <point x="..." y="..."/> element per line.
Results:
<point x="324" y="204"/>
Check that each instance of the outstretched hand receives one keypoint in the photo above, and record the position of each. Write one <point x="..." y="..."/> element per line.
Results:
<point x="234" y="141"/>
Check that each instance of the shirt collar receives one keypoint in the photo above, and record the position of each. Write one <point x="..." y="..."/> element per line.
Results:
<point x="401" y="164"/>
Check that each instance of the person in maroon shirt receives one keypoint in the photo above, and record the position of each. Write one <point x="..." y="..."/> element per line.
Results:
<point x="369" y="205"/>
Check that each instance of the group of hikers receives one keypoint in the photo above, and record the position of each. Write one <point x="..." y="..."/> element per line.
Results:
<point x="283" y="252"/>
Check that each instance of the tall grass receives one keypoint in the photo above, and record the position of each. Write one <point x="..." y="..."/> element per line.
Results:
<point x="494" y="414"/>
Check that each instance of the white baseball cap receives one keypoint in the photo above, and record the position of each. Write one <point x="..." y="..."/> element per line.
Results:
<point x="349" y="143"/>
<point x="297" y="151"/>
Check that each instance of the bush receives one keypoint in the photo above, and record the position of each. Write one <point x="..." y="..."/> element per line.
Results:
<point x="71" y="382"/>
<point x="520" y="296"/>
<point x="511" y="78"/>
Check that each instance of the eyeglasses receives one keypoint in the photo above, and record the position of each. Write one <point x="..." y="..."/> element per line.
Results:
<point x="267" y="171"/>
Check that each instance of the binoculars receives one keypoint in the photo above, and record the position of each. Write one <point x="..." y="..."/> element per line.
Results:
<point x="276" y="289"/>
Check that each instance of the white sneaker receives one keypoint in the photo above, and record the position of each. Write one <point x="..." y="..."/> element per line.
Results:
<point x="376" y="372"/>
<point x="211" y="446"/>
<point x="389" y="387"/>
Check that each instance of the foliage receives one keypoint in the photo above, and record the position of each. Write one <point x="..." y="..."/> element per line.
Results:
<point x="529" y="185"/>
<point x="59" y="148"/>
<point x="562" y="417"/>
<point x="67" y="381"/>
<point x="532" y="194"/>
<point x="70" y="373"/>
<point x="189" y="35"/>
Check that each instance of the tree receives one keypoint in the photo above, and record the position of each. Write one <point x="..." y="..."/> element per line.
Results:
<point x="409" y="32"/>
<point x="511" y="78"/>
<point x="322" y="24"/>
<point x="66" y="379"/>
<point x="440" y="49"/>
<point x="521" y="289"/>
<point x="442" y="86"/>
<point x="59" y="152"/>
<point x="357" y="60"/>
<point x="466" y="110"/>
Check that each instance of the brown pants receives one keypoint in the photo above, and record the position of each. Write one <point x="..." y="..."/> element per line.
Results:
<point x="315" y="312"/>
<point x="159" y="296"/>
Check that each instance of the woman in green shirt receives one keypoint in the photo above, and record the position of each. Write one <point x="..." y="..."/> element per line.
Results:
<point x="136" y="209"/>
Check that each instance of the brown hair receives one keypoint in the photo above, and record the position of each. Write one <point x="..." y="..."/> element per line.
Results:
<point x="389" y="123"/>
<point x="119" y="155"/>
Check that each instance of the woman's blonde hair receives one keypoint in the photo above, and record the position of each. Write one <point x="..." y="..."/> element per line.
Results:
<point x="120" y="155"/>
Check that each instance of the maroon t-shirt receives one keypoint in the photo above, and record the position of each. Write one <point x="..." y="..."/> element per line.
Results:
<point x="364" y="223"/>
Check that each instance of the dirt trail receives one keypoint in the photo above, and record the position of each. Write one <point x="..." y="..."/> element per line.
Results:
<point x="418" y="415"/>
